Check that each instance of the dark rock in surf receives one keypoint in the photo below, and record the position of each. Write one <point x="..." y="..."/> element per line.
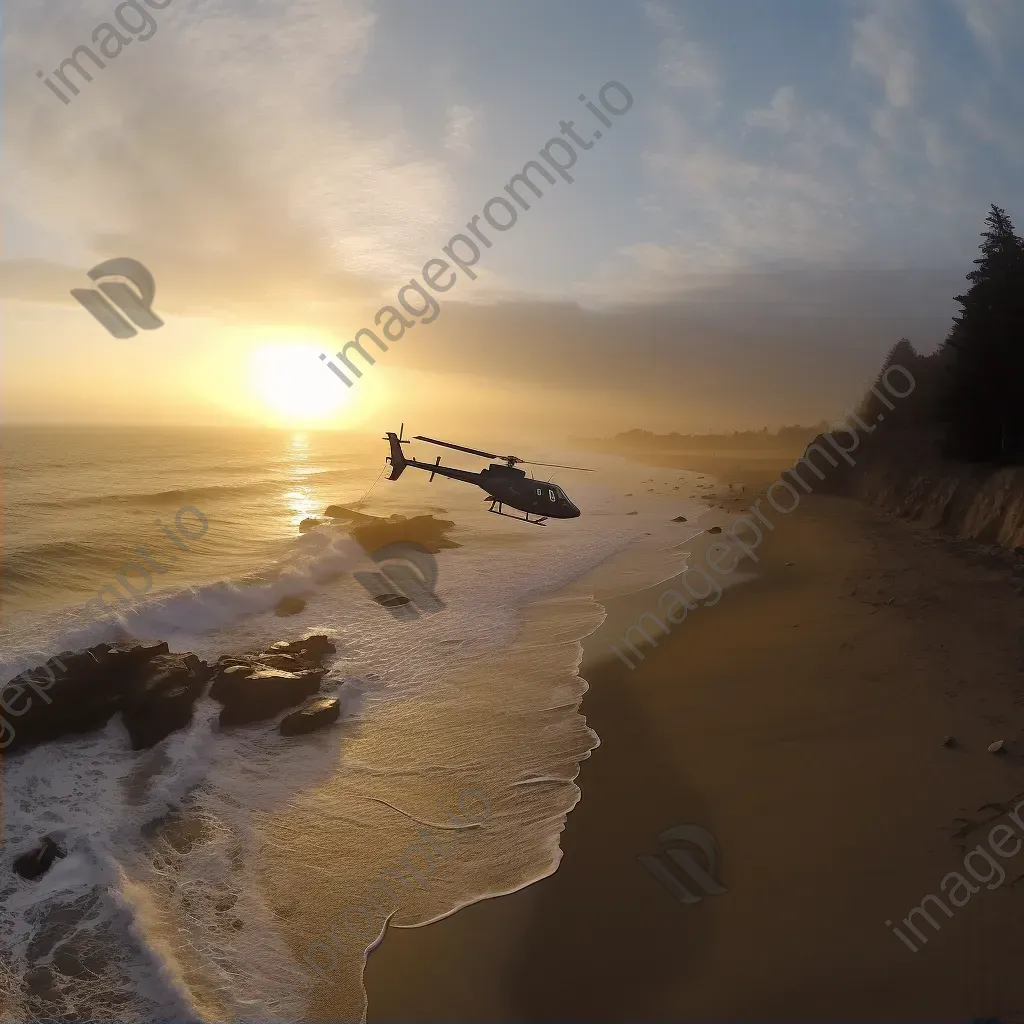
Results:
<point x="715" y="529"/>
<point x="161" y="702"/>
<point x="264" y="693"/>
<point x="286" y="661"/>
<point x="314" y="714"/>
<point x="289" y="606"/>
<point x="310" y="524"/>
<point x="35" y="863"/>
<point x="680" y="519"/>
<point x="391" y="600"/>
<point x="77" y="692"/>
<point x="311" y="651"/>
<point x="227" y="678"/>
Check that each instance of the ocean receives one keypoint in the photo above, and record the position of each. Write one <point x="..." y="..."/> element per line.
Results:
<point x="225" y="874"/>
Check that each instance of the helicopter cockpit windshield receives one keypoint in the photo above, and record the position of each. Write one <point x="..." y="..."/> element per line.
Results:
<point x="551" y="495"/>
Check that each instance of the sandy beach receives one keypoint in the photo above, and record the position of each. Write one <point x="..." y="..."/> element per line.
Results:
<point x="801" y="722"/>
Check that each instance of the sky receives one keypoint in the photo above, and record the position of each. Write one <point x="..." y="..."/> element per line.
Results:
<point x="794" y="186"/>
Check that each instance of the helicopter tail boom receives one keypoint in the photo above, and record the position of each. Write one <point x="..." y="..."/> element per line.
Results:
<point x="397" y="457"/>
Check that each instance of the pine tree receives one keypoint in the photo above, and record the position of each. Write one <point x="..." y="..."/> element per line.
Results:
<point x="872" y="408"/>
<point x="984" y="395"/>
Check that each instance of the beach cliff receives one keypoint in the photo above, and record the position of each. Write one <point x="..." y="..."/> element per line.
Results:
<point x="979" y="503"/>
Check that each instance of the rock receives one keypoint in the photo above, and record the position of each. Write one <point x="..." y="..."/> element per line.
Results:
<point x="949" y="741"/>
<point x="78" y="692"/>
<point x="391" y="600"/>
<point x="630" y="495"/>
<point x="289" y="606"/>
<point x="161" y="702"/>
<point x="288" y="662"/>
<point x="633" y="513"/>
<point x="226" y="680"/>
<point x="311" y="651"/>
<point x="999" y="747"/>
<point x="264" y="693"/>
<point x="680" y="519"/>
<point x="715" y="529"/>
<point x="372" y="533"/>
<point x="314" y="714"/>
<point x="35" y="863"/>
<point x="310" y="524"/>
<point x="340" y="512"/>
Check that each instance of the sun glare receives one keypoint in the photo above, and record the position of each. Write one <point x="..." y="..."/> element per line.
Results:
<point x="294" y="387"/>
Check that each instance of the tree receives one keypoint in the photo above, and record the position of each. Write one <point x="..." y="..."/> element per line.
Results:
<point x="983" y="400"/>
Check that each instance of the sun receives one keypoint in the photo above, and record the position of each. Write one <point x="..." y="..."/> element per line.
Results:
<point x="294" y="387"/>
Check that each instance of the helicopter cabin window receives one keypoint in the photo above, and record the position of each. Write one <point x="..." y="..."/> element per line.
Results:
<point x="551" y="495"/>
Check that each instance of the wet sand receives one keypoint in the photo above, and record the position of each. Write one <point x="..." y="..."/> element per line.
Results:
<point x="801" y="722"/>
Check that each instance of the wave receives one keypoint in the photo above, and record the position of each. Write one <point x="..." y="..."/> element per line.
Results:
<point x="172" y="496"/>
<point x="190" y="495"/>
<point x="41" y="564"/>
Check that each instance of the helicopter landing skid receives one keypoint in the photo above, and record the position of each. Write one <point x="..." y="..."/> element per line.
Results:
<point x="539" y="521"/>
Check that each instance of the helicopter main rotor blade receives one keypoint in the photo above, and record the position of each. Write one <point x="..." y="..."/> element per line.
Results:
<point x="555" y="465"/>
<point x="457" y="447"/>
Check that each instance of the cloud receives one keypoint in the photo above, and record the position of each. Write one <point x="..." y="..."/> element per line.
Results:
<point x="810" y="133"/>
<point x="880" y="49"/>
<point x="780" y="115"/>
<point x="461" y="129"/>
<point x="768" y="344"/>
<point x="682" y="64"/>
<point x="222" y="154"/>
<point x="996" y="25"/>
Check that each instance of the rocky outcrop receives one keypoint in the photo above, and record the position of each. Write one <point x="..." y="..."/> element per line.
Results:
<point x="262" y="693"/>
<point x="161" y="702"/>
<point x="375" y="532"/>
<point x="78" y="692"/>
<point x="310" y="652"/>
<point x="259" y="687"/>
<point x="314" y="714"/>
<point x="154" y="690"/>
<point x="35" y="863"/>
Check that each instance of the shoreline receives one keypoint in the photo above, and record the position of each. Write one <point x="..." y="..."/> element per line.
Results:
<point x="801" y="724"/>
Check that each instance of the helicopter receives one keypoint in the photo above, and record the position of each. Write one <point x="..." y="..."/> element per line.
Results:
<point x="504" y="484"/>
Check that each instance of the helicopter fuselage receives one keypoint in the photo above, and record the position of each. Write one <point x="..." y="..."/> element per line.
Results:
<point x="512" y="487"/>
<point x="505" y="485"/>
